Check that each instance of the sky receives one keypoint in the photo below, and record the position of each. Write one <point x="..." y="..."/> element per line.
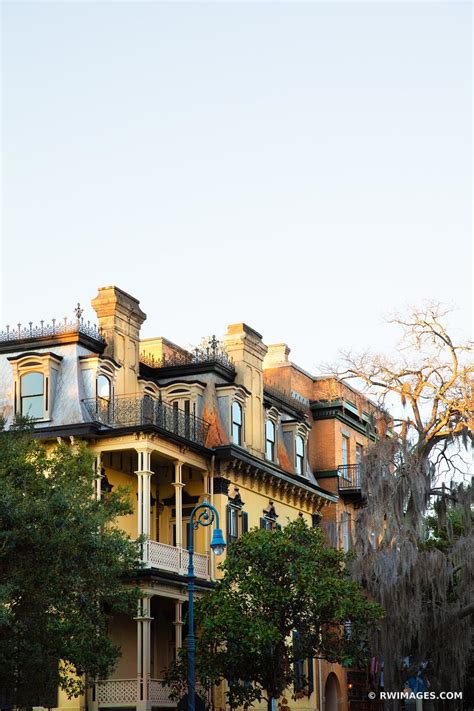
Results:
<point x="303" y="167"/>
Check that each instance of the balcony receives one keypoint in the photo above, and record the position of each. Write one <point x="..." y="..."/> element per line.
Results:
<point x="130" y="411"/>
<point x="175" y="560"/>
<point x="349" y="480"/>
<point x="126" y="692"/>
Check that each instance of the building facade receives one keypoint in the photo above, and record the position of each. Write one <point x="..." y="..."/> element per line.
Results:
<point x="232" y="421"/>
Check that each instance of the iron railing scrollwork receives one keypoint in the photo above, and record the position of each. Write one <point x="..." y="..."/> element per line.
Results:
<point x="210" y="350"/>
<point x="56" y="327"/>
<point x="129" y="411"/>
<point x="349" y="476"/>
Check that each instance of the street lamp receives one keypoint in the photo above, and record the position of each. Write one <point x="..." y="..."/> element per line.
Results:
<point x="204" y="514"/>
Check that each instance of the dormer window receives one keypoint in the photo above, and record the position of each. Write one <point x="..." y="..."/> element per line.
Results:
<point x="32" y="395"/>
<point x="34" y="380"/>
<point x="237" y="423"/>
<point x="270" y="440"/>
<point x="299" y="455"/>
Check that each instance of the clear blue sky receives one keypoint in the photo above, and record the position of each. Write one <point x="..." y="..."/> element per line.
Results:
<point x="301" y="167"/>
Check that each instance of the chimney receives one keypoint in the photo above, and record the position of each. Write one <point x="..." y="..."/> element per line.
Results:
<point x="247" y="350"/>
<point x="277" y="354"/>
<point x="120" y="318"/>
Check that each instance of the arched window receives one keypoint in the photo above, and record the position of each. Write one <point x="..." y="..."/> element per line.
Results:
<point x="236" y="423"/>
<point x="270" y="440"/>
<point x="103" y="387"/>
<point x="299" y="450"/>
<point x="33" y="395"/>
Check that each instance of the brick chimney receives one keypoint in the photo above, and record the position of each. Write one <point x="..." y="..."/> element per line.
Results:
<point x="120" y="318"/>
<point x="247" y="350"/>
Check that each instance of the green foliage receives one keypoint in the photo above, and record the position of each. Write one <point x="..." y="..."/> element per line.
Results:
<point x="276" y="583"/>
<point x="446" y="523"/>
<point x="62" y="569"/>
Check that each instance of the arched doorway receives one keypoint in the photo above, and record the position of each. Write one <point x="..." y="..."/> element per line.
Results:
<point x="331" y="693"/>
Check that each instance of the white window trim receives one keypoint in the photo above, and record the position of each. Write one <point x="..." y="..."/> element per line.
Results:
<point x="44" y="363"/>
<point x="272" y="415"/>
<point x="101" y="366"/>
<point x="181" y="391"/>
<point x="240" y="395"/>
<point x="298" y="429"/>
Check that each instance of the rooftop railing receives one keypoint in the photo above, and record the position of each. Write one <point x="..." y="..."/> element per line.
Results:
<point x="209" y="351"/>
<point x="56" y="327"/>
<point x="128" y="411"/>
<point x="292" y="399"/>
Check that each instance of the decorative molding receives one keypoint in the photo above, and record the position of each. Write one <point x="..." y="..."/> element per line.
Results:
<point x="221" y="485"/>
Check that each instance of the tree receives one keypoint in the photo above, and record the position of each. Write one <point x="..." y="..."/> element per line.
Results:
<point x="62" y="569"/>
<point x="415" y="472"/>
<point x="284" y="597"/>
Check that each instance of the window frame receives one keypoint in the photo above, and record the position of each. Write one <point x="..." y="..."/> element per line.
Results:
<point x="345" y="450"/>
<point x="234" y="423"/>
<point x="268" y="441"/>
<point x="106" y="377"/>
<point x="236" y="517"/>
<point x="42" y="397"/>
<point x="300" y="458"/>
<point x="46" y="364"/>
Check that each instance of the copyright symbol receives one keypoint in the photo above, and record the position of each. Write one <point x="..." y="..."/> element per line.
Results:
<point x="372" y="694"/>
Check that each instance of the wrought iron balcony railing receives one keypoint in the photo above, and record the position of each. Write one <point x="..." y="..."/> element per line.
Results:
<point x="126" y="411"/>
<point x="209" y="351"/>
<point x="349" y="476"/>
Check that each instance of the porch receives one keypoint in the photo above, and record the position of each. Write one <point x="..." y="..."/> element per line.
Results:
<point x="126" y="692"/>
<point x="162" y="492"/>
<point x="148" y="642"/>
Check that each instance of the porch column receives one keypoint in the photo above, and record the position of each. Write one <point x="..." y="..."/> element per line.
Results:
<point x="178" y="626"/>
<point x="144" y="509"/>
<point x="98" y="476"/>
<point x="143" y="619"/>
<point x="205" y="485"/>
<point x="178" y="488"/>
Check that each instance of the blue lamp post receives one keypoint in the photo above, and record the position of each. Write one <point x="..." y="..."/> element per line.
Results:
<point x="204" y="514"/>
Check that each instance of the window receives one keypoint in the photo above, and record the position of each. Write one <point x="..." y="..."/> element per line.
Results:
<point x="103" y="387"/>
<point x="303" y="684"/>
<point x="32" y="395"/>
<point x="237" y="519"/>
<point x="345" y="452"/>
<point x="269" y="518"/>
<point x="299" y="455"/>
<point x="298" y="664"/>
<point x="359" y="453"/>
<point x="232" y="524"/>
<point x="345" y="526"/>
<point x="236" y="423"/>
<point x="34" y="383"/>
<point x="270" y="440"/>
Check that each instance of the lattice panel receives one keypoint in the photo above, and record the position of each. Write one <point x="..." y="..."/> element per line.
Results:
<point x="166" y="557"/>
<point x="163" y="556"/>
<point x="159" y="693"/>
<point x="117" y="690"/>
<point x="201" y="565"/>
